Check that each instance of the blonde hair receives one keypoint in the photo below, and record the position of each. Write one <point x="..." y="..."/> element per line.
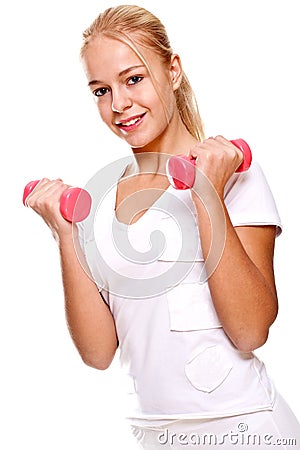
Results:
<point x="124" y="21"/>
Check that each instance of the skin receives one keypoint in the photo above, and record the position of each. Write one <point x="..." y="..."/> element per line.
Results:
<point x="242" y="285"/>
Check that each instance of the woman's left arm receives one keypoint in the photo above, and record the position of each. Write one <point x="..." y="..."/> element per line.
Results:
<point x="242" y="282"/>
<point x="242" y="285"/>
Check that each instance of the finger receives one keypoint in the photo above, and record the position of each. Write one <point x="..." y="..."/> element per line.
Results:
<point x="221" y="139"/>
<point x="201" y="149"/>
<point x="44" y="190"/>
<point x="29" y="190"/>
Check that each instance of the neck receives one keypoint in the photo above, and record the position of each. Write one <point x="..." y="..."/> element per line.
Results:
<point x="153" y="157"/>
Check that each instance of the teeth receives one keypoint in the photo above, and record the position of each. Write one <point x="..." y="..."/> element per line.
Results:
<point x="131" y="122"/>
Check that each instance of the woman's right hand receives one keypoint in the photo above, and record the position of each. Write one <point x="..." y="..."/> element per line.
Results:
<point x="90" y="321"/>
<point x="45" y="201"/>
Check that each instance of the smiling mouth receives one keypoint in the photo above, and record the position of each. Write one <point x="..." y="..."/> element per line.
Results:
<point x="130" y="122"/>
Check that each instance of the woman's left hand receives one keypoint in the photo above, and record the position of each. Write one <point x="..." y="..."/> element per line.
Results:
<point x="217" y="159"/>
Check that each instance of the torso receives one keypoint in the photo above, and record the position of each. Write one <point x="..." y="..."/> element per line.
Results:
<point x="136" y="194"/>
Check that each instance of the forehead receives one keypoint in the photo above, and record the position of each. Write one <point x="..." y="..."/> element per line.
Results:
<point x="105" y="56"/>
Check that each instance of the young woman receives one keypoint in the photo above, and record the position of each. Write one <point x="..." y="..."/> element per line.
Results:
<point x="181" y="282"/>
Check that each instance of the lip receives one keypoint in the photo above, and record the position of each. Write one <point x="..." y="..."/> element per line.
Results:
<point x="137" y="118"/>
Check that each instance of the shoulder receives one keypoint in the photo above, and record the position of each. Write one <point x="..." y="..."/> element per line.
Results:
<point x="249" y="199"/>
<point x="248" y="184"/>
<point x="253" y="178"/>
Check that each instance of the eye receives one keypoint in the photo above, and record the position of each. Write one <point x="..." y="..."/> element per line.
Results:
<point x="100" y="92"/>
<point x="135" y="79"/>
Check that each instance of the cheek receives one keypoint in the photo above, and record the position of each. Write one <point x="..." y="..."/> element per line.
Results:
<point x="166" y="101"/>
<point x="162" y="106"/>
<point x="169" y="100"/>
<point x="105" y="112"/>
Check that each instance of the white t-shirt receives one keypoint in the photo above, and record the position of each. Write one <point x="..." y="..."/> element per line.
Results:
<point x="179" y="361"/>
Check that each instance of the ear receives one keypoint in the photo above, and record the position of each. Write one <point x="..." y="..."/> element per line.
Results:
<point x="175" y="71"/>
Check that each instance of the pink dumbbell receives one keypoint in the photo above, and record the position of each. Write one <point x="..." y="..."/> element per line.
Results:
<point x="75" y="203"/>
<point x="181" y="168"/>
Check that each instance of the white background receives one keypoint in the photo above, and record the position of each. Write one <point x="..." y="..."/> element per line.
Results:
<point x="242" y="58"/>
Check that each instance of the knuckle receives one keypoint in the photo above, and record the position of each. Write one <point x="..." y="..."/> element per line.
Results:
<point x="44" y="181"/>
<point x="220" y="138"/>
<point x="232" y="152"/>
<point x="39" y="203"/>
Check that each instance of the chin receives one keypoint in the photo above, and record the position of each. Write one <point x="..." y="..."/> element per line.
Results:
<point x="142" y="142"/>
<point x="137" y="144"/>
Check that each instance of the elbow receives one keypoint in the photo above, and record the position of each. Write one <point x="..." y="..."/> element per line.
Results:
<point x="98" y="356"/>
<point x="96" y="364"/>
<point x="102" y="362"/>
<point x="254" y="335"/>
<point x="251" y="342"/>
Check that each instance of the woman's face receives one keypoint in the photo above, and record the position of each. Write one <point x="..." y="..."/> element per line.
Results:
<point x="127" y="100"/>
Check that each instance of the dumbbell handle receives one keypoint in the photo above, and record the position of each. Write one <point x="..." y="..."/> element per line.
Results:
<point x="75" y="203"/>
<point x="181" y="169"/>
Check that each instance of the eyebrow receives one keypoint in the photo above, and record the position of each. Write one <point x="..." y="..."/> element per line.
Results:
<point x="122" y="73"/>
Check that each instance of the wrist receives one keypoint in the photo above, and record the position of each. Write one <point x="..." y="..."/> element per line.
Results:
<point x="66" y="236"/>
<point x="207" y="195"/>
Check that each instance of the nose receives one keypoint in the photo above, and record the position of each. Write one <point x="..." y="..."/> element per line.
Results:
<point x="120" y="101"/>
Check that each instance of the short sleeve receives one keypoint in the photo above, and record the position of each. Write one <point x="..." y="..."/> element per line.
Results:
<point x="86" y="242"/>
<point x="81" y="235"/>
<point x="249" y="199"/>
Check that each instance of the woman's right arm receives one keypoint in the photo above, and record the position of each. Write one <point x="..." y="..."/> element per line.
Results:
<point x="89" y="319"/>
